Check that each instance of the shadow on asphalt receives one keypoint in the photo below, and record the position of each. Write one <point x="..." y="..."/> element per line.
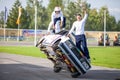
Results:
<point x="25" y="71"/>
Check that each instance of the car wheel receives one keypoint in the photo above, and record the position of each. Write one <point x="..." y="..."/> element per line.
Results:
<point x="75" y="74"/>
<point x="57" y="69"/>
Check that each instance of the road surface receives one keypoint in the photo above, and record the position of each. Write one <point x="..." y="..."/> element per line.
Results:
<point x="18" y="67"/>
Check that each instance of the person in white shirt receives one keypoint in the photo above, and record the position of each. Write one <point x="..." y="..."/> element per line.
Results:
<point x="57" y="20"/>
<point x="78" y="26"/>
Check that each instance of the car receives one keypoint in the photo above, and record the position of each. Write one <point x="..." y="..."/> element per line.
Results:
<point x="60" y="49"/>
<point x="116" y="41"/>
<point x="101" y="40"/>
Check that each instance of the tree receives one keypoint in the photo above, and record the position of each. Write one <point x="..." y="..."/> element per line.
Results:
<point x="42" y="16"/>
<point x="110" y="20"/>
<point x="1" y="19"/>
<point x="52" y="4"/>
<point x="93" y="21"/>
<point x="70" y="12"/>
<point x="111" y="23"/>
<point x="24" y="19"/>
<point x="118" y="26"/>
<point x="96" y="20"/>
<point x="30" y="12"/>
<point x="13" y="16"/>
<point x="73" y="8"/>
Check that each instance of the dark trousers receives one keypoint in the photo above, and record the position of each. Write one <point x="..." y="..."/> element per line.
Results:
<point x="56" y="19"/>
<point x="64" y="21"/>
<point x="82" y="45"/>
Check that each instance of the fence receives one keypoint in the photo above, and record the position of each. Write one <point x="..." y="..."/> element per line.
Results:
<point x="28" y="35"/>
<point x="22" y="34"/>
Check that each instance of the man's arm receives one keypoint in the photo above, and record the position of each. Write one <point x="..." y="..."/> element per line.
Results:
<point x="72" y="29"/>
<point x="52" y="19"/>
<point x="85" y="15"/>
<point x="61" y="23"/>
<point x="49" y="27"/>
<point x="85" y="11"/>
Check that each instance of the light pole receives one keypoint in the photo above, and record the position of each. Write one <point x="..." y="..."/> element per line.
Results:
<point x="4" y="30"/>
<point x="104" y="27"/>
<point x="35" y="23"/>
<point x="5" y="21"/>
<point x="18" y="32"/>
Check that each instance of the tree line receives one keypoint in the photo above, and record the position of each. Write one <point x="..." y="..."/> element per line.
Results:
<point x="95" y="21"/>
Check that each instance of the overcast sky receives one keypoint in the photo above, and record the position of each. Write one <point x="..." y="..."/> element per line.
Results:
<point x="113" y="5"/>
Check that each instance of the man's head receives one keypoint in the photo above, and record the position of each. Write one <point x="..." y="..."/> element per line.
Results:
<point x="78" y="16"/>
<point x="57" y="10"/>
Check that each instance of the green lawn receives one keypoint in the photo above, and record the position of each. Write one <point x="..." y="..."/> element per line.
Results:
<point x="105" y="56"/>
<point x="101" y="56"/>
<point x="27" y="51"/>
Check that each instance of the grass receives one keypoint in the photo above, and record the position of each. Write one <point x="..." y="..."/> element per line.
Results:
<point x="100" y="56"/>
<point x="27" y="51"/>
<point x="105" y="56"/>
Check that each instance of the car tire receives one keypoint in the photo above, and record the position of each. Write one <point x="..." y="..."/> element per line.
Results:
<point x="57" y="69"/>
<point x="75" y="74"/>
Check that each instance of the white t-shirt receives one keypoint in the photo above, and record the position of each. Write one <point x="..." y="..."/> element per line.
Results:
<point x="78" y="26"/>
<point x="57" y="25"/>
<point x="54" y="15"/>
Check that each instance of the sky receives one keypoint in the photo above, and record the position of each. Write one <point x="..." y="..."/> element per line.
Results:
<point x="113" y="5"/>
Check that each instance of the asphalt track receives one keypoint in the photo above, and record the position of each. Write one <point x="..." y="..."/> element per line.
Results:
<point x="18" y="67"/>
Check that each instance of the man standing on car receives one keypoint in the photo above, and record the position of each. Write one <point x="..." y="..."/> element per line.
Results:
<point x="78" y="26"/>
<point x="57" y="20"/>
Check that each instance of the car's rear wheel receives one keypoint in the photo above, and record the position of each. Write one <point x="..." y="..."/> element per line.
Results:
<point x="75" y="74"/>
